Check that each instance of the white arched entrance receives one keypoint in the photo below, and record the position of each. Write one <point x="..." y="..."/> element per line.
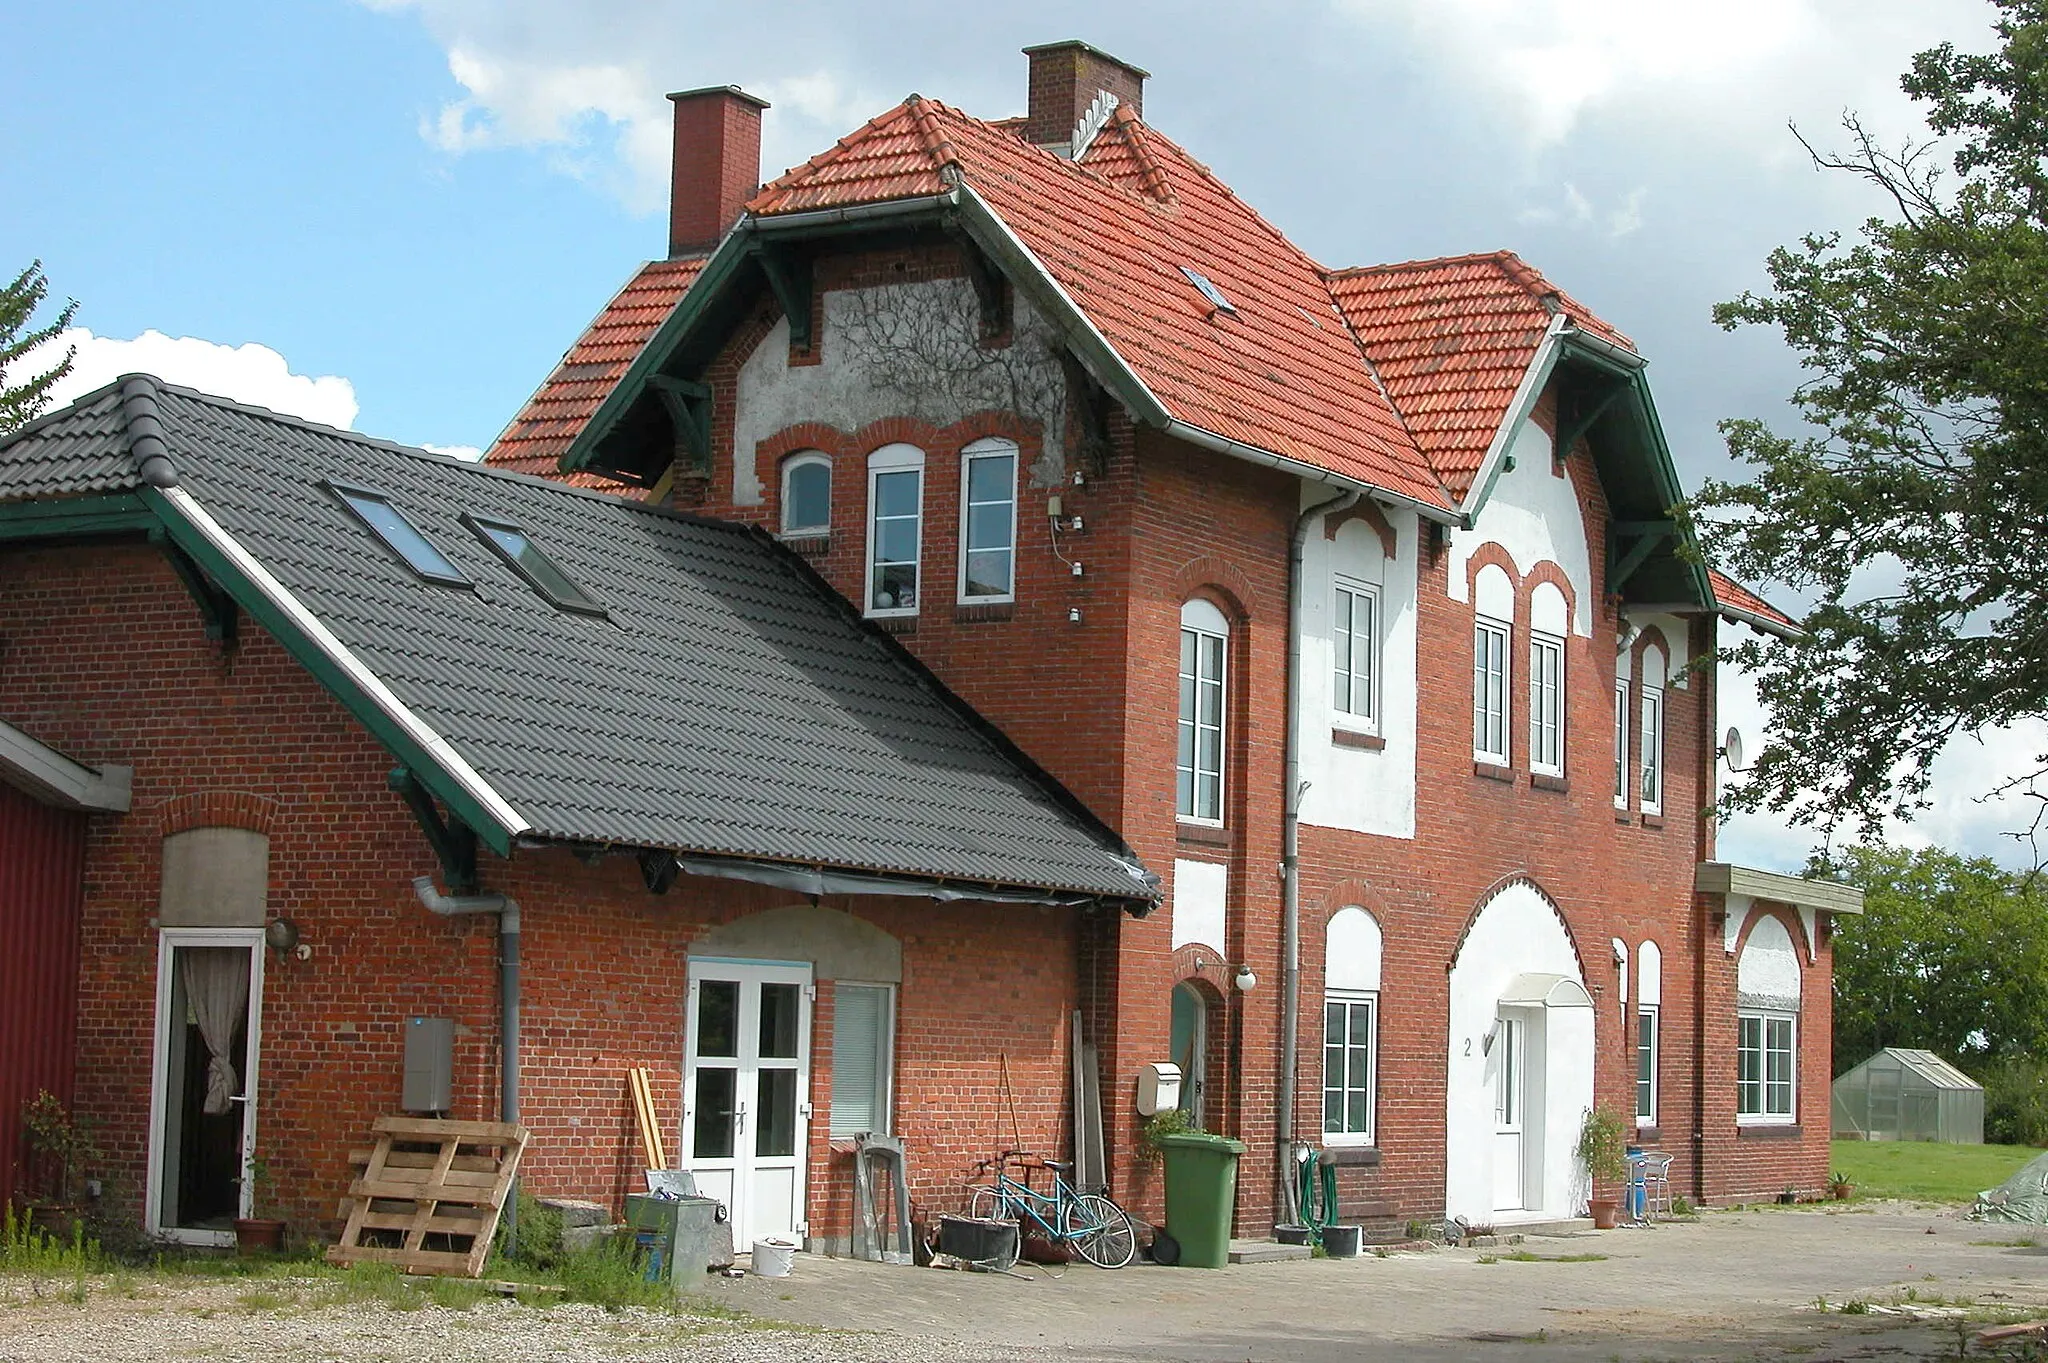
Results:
<point x="1520" y="1076"/>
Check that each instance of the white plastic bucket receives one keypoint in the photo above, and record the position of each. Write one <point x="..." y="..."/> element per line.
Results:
<point x="773" y="1257"/>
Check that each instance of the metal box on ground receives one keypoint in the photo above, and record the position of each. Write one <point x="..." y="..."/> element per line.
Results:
<point x="429" y="1065"/>
<point x="676" y="1233"/>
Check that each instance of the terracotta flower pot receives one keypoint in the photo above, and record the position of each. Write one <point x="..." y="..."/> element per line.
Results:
<point x="256" y="1234"/>
<point x="1605" y="1211"/>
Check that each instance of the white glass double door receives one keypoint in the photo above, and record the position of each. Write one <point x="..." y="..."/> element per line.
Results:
<point x="747" y="1091"/>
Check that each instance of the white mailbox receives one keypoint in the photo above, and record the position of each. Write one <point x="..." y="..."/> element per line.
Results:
<point x="1158" y="1088"/>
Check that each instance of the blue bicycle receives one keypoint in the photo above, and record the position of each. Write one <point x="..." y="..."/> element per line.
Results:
<point x="1098" y="1229"/>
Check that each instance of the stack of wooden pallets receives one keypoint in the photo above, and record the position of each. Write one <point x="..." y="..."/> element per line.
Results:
<point x="430" y="1194"/>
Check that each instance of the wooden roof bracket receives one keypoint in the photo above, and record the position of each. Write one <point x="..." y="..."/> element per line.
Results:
<point x="991" y="286"/>
<point x="453" y="842"/>
<point x="216" y="607"/>
<point x="1090" y="406"/>
<point x="793" y="282"/>
<point x="1647" y="535"/>
<point x="688" y="405"/>
<point x="1569" y="433"/>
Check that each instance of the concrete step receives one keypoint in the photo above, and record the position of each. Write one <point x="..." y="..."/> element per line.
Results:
<point x="1266" y="1252"/>
<point x="1570" y="1226"/>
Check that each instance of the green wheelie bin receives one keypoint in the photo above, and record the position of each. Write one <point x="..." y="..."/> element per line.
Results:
<point x="1201" y="1195"/>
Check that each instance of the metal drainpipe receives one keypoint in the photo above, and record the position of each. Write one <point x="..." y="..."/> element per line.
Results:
<point x="507" y="909"/>
<point x="1290" y="857"/>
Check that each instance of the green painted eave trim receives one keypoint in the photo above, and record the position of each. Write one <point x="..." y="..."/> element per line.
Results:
<point x="106" y="513"/>
<point x="309" y="654"/>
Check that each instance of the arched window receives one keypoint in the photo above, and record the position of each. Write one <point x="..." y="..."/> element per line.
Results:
<point x="1198" y="769"/>
<point x="1651" y="742"/>
<point x="1493" y="599"/>
<point x="895" y="528"/>
<point x="1649" y="1005"/>
<point x="1767" y="1025"/>
<point x="806" y="493"/>
<point x="1549" y="622"/>
<point x="1351" y="1006"/>
<point x="988" y="521"/>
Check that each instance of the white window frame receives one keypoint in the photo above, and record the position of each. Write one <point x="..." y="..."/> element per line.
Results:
<point x="1349" y="999"/>
<point x="992" y="448"/>
<point x="1345" y="698"/>
<point x="1651" y="784"/>
<point x="894" y="459"/>
<point x="1766" y="1112"/>
<point x="885" y="1097"/>
<point x="804" y="459"/>
<point x="1546" y="704"/>
<point x="1490" y="708"/>
<point x="1201" y="623"/>
<point x="1621" y="745"/>
<point x="1646" y="1113"/>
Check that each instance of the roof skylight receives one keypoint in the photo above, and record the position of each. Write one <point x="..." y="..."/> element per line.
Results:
<point x="527" y="559"/>
<point x="1209" y="291"/>
<point x="400" y="536"/>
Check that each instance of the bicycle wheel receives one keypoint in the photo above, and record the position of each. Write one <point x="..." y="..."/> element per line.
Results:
<point x="1100" y="1230"/>
<point x="985" y="1204"/>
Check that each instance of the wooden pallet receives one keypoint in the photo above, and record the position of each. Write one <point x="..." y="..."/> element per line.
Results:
<point x="430" y="1194"/>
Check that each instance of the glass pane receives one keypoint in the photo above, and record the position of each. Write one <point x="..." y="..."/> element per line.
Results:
<point x="1355" y="1113"/>
<point x="807" y="505"/>
<point x="1187" y="659"/>
<point x="1361" y="1068"/>
<point x="1210" y="693"/>
<point x="1361" y="1024"/>
<point x="896" y="540"/>
<point x="1210" y="803"/>
<point x="896" y="587"/>
<point x="775" y="1124"/>
<point x="1212" y="661"/>
<point x="541" y="569"/>
<point x="1184" y="791"/>
<point x="990" y="479"/>
<point x="1333" y="1111"/>
<point x="1333" y="1024"/>
<point x="395" y="530"/>
<point x="860" y="1066"/>
<point x="896" y="494"/>
<point x="988" y="527"/>
<point x="778" y="1021"/>
<point x="718" y="1017"/>
<point x="714" y="1114"/>
<point x="988" y="572"/>
<point x="1186" y="758"/>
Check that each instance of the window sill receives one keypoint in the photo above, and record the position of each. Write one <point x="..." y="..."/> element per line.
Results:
<point x="1621" y="815"/>
<point x="975" y="612"/>
<point x="894" y="624"/>
<point x="808" y="545"/>
<point x="1543" y="780"/>
<point x="1493" y="771"/>
<point x="1352" y="738"/>
<point x="1349" y="1156"/>
<point x="1767" y="1131"/>
<point x="1653" y="820"/>
<point x="1203" y="834"/>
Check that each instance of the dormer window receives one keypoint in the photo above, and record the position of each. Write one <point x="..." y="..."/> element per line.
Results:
<point x="806" y="494"/>
<point x="519" y="551"/>
<point x="399" y="535"/>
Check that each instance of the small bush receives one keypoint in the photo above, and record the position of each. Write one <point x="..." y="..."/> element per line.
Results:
<point x="2015" y="1101"/>
<point x="538" y="1244"/>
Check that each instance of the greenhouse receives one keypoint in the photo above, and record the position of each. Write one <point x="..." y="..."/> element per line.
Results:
<point x="1904" y="1095"/>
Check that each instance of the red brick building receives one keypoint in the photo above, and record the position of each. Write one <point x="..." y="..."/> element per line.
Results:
<point x="967" y="521"/>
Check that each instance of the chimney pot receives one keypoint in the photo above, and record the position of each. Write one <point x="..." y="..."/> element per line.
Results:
<point x="1065" y="79"/>
<point x="717" y="165"/>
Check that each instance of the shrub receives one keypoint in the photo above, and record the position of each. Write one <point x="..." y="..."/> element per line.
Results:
<point x="2015" y="1101"/>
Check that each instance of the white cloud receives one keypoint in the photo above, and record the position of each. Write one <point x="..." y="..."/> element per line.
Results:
<point x="1579" y="211"/>
<point x="249" y="373"/>
<point x="467" y="452"/>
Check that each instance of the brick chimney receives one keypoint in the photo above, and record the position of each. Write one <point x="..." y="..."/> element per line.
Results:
<point x="1065" y="79"/>
<point x="717" y="165"/>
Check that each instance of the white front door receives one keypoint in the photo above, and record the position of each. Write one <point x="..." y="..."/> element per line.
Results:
<point x="202" y="1130"/>
<point x="1510" y="1099"/>
<point x="747" y="1091"/>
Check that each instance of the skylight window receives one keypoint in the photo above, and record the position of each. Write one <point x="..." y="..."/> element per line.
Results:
<point x="1209" y="291"/>
<point x="518" y="549"/>
<point x="389" y="524"/>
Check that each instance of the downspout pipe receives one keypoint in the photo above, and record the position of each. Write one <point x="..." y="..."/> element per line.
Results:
<point x="1290" y="852"/>
<point x="507" y="909"/>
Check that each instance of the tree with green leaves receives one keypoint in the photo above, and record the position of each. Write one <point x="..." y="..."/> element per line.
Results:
<point x="21" y="400"/>
<point x="1914" y="509"/>
<point x="1949" y="955"/>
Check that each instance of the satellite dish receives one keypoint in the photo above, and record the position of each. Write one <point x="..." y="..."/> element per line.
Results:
<point x="1732" y="751"/>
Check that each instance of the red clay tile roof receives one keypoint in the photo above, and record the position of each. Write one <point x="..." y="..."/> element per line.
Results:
<point x="1733" y="596"/>
<point x="1282" y="374"/>
<point x="1451" y="340"/>
<point x="1119" y="154"/>
<point x="535" y="440"/>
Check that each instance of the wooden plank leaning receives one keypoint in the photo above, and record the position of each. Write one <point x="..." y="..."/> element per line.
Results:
<point x="430" y="1194"/>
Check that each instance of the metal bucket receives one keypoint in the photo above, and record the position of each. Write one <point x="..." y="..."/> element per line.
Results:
<point x="773" y="1257"/>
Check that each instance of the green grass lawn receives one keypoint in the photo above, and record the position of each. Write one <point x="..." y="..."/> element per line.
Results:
<point x="1925" y="1170"/>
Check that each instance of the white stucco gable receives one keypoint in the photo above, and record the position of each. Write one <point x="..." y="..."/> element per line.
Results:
<point x="1533" y="513"/>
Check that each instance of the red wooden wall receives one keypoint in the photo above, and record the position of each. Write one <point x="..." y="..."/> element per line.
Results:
<point x="42" y="868"/>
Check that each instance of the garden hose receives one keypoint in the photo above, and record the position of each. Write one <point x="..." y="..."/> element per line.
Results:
<point x="1318" y="1192"/>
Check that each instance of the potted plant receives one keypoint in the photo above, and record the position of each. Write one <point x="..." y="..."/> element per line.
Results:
<point x="1602" y="1151"/>
<point x="61" y="1149"/>
<point x="1839" y="1186"/>
<point x="255" y="1233"/>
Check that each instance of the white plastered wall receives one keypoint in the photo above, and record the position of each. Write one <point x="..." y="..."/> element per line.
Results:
<point x="1517" y="932"/>
<point x="904" y="350"/>
<point x="1534" y="515"/>
<point x="1359" y="789"/>
<point x="1200" y="894"/>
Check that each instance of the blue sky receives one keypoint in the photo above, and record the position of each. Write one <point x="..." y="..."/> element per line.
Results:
<point x="397" y="214"/>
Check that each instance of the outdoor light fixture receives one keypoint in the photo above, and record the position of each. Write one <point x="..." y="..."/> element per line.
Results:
<point x="1245" y="980"/>
<point x="281" y="934"/>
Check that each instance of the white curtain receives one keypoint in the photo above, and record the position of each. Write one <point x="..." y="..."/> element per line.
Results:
<point x="216" y="981"/>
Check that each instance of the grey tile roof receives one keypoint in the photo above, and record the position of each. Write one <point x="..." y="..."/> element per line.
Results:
<point x="730" y="704"/>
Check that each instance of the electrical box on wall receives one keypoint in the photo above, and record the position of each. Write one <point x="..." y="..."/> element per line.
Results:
<point x="1158" y="1088"/>
<point x="429" y="1065"/>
